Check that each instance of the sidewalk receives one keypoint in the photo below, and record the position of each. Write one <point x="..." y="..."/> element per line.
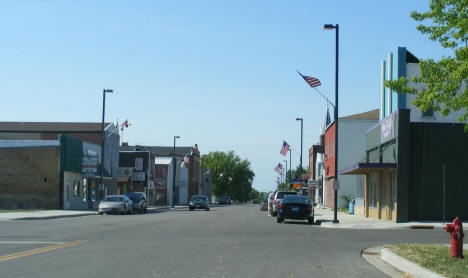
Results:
<point x="51" y="214"/>
<point x="396" y="266"/>
<point x="348" y="221"/>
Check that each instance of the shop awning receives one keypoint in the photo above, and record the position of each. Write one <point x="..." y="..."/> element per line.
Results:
<point x="364" y="168"/>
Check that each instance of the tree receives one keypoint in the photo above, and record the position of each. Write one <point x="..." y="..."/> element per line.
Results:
<point x="444" y="82"/>
<point x="230" y="175"/>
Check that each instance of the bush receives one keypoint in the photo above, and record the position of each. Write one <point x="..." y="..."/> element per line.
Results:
<point x="346" y="200"/>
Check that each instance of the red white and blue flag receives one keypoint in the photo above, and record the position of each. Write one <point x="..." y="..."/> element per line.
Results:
<point x="284" y="148"/>
<point x="187" y="159"/>
<point x="124" y="124"/>
<point x="278" y="168"/>
<point x="312" y="81"/>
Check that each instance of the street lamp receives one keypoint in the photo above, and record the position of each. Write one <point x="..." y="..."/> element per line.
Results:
<point x="174" y="171"/>
<point x="302" y="120"/>
<point x="336" y="27"/>
<point x="103" y="137"/>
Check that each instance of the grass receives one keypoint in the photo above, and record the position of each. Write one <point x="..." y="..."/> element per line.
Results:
<point x="17" y="210"/>
<point x="434" y="257"/>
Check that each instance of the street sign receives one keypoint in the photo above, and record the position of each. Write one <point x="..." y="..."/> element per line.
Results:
<point x="336" y="184"/>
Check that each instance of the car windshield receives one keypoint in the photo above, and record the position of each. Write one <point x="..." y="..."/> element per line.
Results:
<point x="295" y="199"/>
<point x="280" y="195"/>
<point x="113" y="199"/>
<point x="199" y="199"/>
<point x="133" y="196"/>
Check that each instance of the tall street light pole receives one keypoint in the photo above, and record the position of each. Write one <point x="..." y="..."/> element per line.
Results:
<point x="174" y="159"/>
<point x="302" y="121"/>
<point x="336" y="27"/>
<point x="103" y="136"/>
<point x="290" y="169"/>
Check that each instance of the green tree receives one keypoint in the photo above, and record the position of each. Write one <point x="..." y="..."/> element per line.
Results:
<point x="231" y="175"/>
<point x="444" y="82"/>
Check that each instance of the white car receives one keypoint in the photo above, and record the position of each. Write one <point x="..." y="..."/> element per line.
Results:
<point x="270" y="202"/>
<point x="277" y="200"/>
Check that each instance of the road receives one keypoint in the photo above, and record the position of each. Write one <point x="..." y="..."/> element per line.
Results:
<point x="234" y="241"/>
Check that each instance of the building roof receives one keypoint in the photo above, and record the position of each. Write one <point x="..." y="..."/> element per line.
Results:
<point x="369" y="115"/>
<point x="50" y="127"/>
<point x="16" y="144"/>
<point x="161" y="151"/>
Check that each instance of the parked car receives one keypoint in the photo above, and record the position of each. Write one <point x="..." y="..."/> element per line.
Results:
<point x="277" y="199"/>
<point x="295" y="207"/>
<point x="140" y="201"/>
<point x="226" y="200"/>
<point x="264" y="204"/>
<point x="115" y="204"/>
<point x="199" y="202"/>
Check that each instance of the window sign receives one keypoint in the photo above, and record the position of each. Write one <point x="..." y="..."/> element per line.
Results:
<point x="139" y="164"/>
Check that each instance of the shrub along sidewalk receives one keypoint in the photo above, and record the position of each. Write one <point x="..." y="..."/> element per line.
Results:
<point x="433" y="257"/>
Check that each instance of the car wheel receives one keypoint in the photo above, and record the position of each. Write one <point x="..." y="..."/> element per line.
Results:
<point x="274" y="214"/>
<point x="101" y="213"/>
<point x="279" y="219"/>
<point x="207" y="209"/>
<point x="310" y="220"/>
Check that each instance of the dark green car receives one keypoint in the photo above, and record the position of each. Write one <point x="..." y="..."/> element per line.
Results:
<point x="199" y="202"/>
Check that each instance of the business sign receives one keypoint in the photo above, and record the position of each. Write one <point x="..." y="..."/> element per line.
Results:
<point x="387" y="128"/>
<point x="124" y="172"/>
<point x="138" y="176"/>
<point x="139" y="164"/>
<point x="305" y="176"/>
<point x="89" y="164"/>
<point x="313" y="183"/>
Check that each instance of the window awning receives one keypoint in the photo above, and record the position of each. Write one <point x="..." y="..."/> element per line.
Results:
<point x="364" y="168"/>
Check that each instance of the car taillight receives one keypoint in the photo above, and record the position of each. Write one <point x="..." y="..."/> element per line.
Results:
<point x="281" y="205"/>
<point x="274" y="202"/>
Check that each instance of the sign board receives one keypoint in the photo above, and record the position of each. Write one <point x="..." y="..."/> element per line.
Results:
<point x="336" y="184"/>
<point x="387" y="130"/>
<point x="124" y="172"/>
<point x="89" y="164"/>
<point x="305" y="176"/>
<point x="138" y="176"/>
<point x="313" y="183"/>
<point x="139" y="164"/>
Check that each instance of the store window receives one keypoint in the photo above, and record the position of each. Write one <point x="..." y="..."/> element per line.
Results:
<point x="76" y="188"/>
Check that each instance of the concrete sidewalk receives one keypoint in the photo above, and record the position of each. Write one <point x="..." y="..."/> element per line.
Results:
<point x="348" y="221"/>
<point x="51" y="214"/>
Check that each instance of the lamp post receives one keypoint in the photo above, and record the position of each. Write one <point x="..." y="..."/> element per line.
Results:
<point x="336" y="27"/>
<point x="302" y="121"/>
<point x="103" y="136"/>
<point x="290" y="169"/>
<point x="174" y="171"/>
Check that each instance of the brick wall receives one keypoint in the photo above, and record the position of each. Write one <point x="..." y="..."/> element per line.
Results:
<point x="22" y="173"/>
<point x="328" y="194"/>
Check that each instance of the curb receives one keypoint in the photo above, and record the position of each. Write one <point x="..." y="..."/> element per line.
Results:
<point x="55" y="216"/>
<point x="398" y="263"/>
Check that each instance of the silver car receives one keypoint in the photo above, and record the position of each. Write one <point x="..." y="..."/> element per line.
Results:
<point x="115" y="204"/>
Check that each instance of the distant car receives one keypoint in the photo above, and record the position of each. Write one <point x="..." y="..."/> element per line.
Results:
<point x="115" y="204"/>
<point x="199" y="202"/>
<point x="277" y="199"/>
<point x="140" y="201"/>
<point x="295" y="207"/>
<point x="225" y="200"/>
<point x="264" y="204"/>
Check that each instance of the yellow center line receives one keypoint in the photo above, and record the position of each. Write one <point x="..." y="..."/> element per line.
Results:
<point x="40" y="250"/>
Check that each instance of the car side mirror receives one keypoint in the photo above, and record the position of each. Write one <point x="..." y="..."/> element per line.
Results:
<point x="314" y="204"/>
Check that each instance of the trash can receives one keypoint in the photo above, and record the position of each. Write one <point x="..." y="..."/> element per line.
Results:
<point x="351" y="207"/>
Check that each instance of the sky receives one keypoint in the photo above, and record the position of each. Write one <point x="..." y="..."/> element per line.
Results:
<point x="220" y="74"/>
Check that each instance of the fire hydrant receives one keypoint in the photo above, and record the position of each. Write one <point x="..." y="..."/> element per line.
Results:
<point x="456" y="235"/>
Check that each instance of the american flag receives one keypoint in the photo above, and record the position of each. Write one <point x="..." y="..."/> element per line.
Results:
<point x="124" y="124"/>
<point x="187" y="159"/>
<point x="278" y="168"/>
<point x="312" y="81"/>
<point x="284" y="148"/>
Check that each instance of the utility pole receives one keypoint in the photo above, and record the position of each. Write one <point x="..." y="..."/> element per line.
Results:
<point x="174" y="160"/>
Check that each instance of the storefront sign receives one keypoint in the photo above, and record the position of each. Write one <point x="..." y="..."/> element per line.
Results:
<point x="387" y="130"/>
<point x="138" y="176"/>
<point x="139" y="164"/>
<point x="124" y="172"/>
<point x="89" y="164"/>
<point x="314" y="183"/>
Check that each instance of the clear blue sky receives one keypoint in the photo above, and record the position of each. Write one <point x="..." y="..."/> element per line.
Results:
<point x="218" y="73"/>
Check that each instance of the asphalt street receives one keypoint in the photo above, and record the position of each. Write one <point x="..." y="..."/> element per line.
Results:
<point x="229" y="241"/>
